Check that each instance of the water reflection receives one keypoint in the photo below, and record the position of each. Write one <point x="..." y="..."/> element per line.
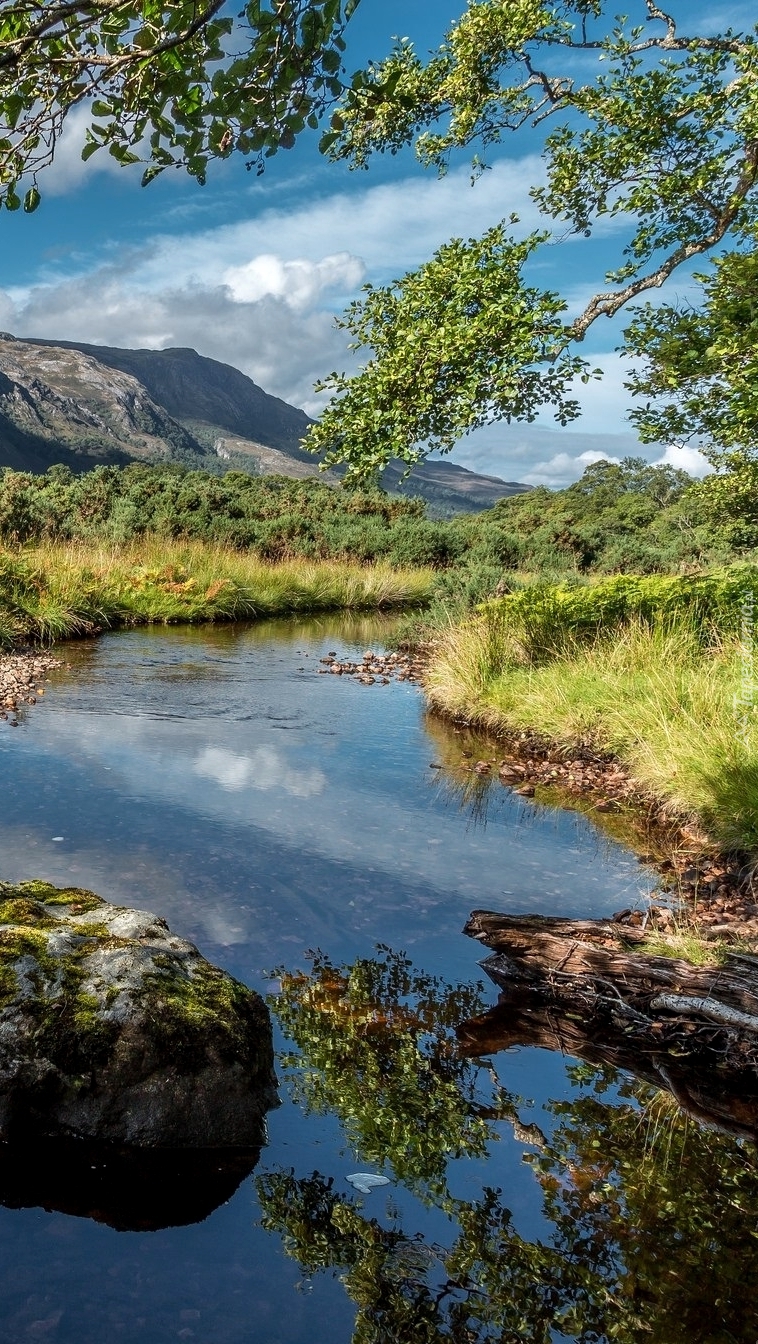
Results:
<point x="250" y="801"/>
<point x="214" y="777"/>
<point x="651" y="1218"/>
<point x="130" y="1189"/>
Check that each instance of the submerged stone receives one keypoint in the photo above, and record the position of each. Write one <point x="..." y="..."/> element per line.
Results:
<point x="112" y="1028"/>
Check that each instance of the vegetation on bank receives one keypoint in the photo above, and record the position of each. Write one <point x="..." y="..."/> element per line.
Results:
<point x="619" y="516"/>
<point x="655" y="671"/>
<point x="648" y="665"/>
<point x="59" y="590"/>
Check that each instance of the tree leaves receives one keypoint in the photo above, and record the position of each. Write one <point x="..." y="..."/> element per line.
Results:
<point x="159" y="77"/>
<point x="662" y="132"/>
<point x="461" y="341"/>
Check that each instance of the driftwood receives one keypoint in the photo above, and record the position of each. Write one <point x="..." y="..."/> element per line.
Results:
<point x="581" y="987"/>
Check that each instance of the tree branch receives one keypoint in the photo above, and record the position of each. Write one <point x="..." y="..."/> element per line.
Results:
<point x="608" y="304"/>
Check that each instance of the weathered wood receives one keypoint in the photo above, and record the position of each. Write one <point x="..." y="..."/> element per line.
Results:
<point x="585" y="988"/>
<point x="539" y="949"/>
<point x="691" y="1067"/>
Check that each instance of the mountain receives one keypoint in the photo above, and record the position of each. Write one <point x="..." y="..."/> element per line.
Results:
<point x="63" y="405"/>
<point x="65" y="401"/>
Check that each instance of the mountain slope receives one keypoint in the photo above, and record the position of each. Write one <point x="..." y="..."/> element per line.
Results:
<point x="83" y="404"/>
<point x="54" y="399"/>
<point x="197" y="390"/>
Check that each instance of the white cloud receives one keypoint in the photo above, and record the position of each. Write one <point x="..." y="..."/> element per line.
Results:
<point x="283" y="346"/>
<point x="260" y="294"/>
<point x="263" y="769"/>
<point x="563" y="468"/>
<point x="68" y="170"/>
<point x="686" y="459"/>
<point x="390" y="227"/>
<point x="299" y="283"/>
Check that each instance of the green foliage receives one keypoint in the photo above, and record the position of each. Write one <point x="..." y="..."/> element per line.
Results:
<point x="656" y="672"/>
<point x="459" y="342"/>
<point x="171" y="84"/>
<point x="649" y="1220"/>
<point x="701" y="365"/>
<point x="544" y="618"/>
<point x="60" y="591"/>
<point x="273" y="516"/>
<point x="643" y="121"/>
<point x="375" y="1045"/>
<point x="617" y="516"/>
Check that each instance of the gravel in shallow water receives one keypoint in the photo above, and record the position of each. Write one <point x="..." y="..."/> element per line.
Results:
<point x="23" y="676"/>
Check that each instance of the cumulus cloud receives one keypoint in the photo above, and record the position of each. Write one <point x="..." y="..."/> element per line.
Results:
<point x="283" y="345"/>
<point x="686" y="458"/>
<point x="261" y="293"/>
<point x="262" y="769"/>
<point x="555" y="458"/>
<point x="299" y="283"/>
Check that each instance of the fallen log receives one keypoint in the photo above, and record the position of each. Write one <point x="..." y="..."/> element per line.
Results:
<point x="538" y="949"/>
<point x="586" y="988"/>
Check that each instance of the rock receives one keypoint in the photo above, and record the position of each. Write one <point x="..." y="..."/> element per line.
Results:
<point x="113" y="1029"/>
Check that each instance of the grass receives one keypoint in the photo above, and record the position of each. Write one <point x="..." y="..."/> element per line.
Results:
<point x="61" y="590"/>
<point x="658" y="697"/>
<point x="686" y="944"/>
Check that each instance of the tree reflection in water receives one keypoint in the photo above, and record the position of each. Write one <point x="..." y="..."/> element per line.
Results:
<point x="654" y="1218"/>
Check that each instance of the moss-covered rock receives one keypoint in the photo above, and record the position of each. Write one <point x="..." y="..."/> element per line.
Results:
<point x="113" y="1029"/>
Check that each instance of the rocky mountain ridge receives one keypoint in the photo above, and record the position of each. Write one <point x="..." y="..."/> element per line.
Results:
<point x="65" y="401"/>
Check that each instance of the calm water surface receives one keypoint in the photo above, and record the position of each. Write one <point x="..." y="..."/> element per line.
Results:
<point x="265" y="811"/>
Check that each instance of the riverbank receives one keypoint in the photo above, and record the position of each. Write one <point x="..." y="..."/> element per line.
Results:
<point x="66" y="590"/>
<point x="620" y="707"/>
<point x="23" y="676"/>
<point x="706" y="894"/>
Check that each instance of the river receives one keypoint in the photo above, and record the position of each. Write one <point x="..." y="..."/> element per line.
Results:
<point x="268" y="813"/>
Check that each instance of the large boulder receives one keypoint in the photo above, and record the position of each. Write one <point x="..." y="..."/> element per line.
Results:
<point x="112" y="1028"/>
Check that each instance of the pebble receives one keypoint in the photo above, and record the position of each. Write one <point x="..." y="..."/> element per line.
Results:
<point x="374" y="667"/>
<point x="22" y="672"/>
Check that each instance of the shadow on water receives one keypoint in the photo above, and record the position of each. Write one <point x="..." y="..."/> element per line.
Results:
<point x="480" y="795"/>
<point x="130" y="1189"/>
<point x="650" y="1217"/>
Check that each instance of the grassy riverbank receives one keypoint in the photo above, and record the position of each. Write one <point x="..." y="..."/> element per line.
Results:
<point x="58" y="591"/>
<point x="663" y="682"/>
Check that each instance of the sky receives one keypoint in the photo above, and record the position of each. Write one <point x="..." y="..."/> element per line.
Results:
<point x="252" y="271"/>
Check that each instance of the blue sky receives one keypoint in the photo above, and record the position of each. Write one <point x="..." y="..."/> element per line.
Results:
<point x="251" y="271"/>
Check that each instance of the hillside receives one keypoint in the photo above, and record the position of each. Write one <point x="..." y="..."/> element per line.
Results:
<point x="65" y="401"/>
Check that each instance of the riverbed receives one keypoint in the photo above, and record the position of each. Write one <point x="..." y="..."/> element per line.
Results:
<point x="269" y="814"/>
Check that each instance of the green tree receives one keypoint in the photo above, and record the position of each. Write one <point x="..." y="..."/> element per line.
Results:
<point x="166" y="82"/>
<point x="664" y="133"/>
<point x="700" y="367"/>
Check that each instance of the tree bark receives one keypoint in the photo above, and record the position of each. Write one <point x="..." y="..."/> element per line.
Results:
<point x="583" y="987"/>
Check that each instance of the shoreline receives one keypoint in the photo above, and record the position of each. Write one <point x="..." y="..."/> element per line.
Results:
<point x="714" y="890"/>
<point x="23" y="678"/>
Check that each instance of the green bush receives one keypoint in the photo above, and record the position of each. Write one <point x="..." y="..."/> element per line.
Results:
<point x="618" y="517"/>
<point x="544" y="617"/>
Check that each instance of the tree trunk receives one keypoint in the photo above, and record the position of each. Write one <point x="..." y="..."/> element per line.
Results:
<point x="579" y="986"/>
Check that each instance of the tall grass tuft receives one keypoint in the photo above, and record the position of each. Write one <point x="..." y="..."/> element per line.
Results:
<point x="655" y="696"/>
<point x="56" y="591"/>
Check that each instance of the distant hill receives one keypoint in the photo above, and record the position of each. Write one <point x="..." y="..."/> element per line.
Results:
<point x="65" y="401"/>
